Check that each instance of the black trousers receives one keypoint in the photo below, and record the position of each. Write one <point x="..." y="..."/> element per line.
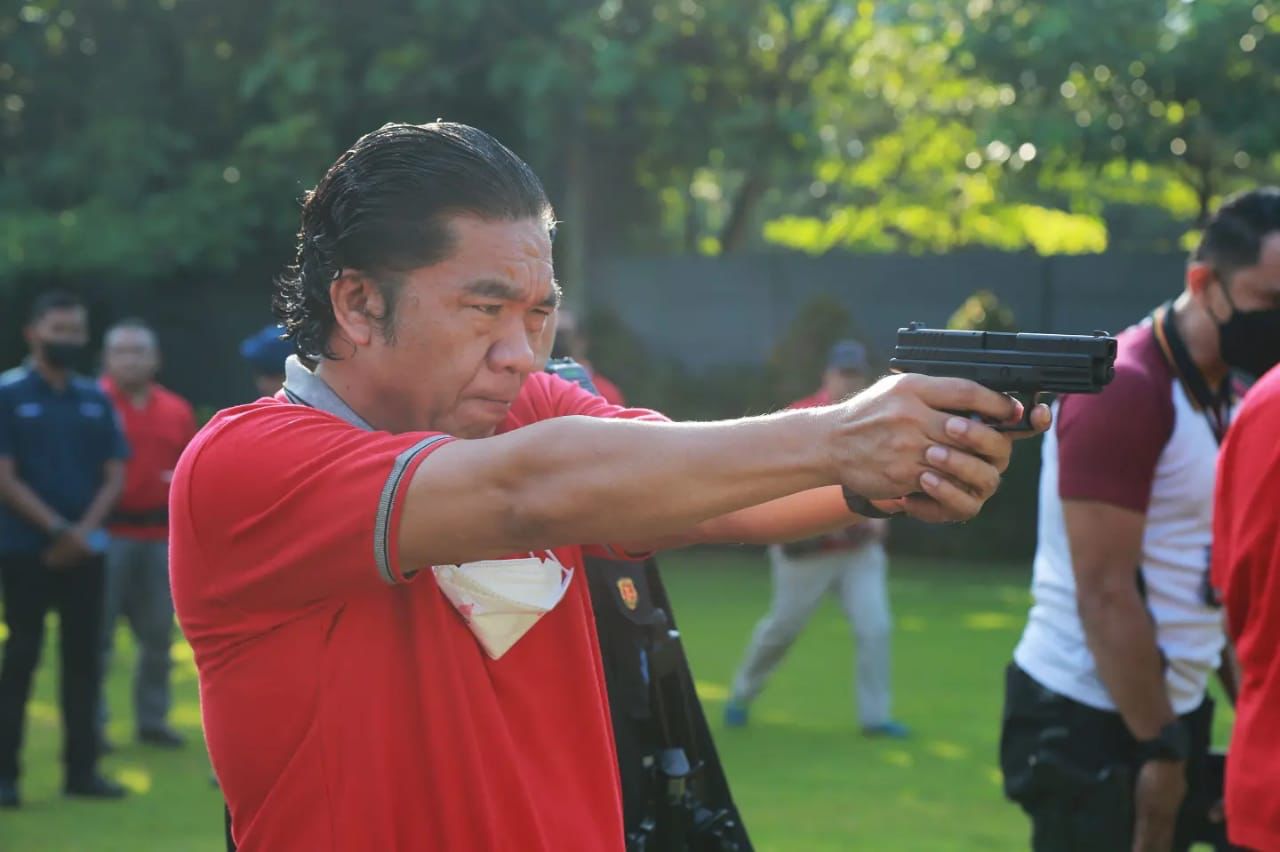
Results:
<point x="30" y="591"/>
<point x="1072" y="768"/>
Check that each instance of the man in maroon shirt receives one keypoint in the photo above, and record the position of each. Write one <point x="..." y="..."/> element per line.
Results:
<point x="158" y="425"/>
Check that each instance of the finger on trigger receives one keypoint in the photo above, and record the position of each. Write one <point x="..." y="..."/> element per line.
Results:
<point x="968" y="396"/>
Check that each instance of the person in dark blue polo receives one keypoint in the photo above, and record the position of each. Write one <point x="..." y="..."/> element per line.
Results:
<point x="61" y="470"/>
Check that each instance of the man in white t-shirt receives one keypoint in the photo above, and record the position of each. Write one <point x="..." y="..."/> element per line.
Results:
<point x="1106" y="722"/>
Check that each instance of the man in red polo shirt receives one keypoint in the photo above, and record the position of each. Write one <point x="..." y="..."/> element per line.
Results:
<point x="379" y="570"/>
<point x="158" y="425"/>
<point x="1246" y="572"/>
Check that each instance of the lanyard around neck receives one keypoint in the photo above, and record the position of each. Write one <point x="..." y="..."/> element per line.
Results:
<point x="1216" y="405"/>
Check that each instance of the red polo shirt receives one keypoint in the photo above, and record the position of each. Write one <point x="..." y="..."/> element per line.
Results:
<point x="157" y="433"/>
<point x="346" y="707"/>
<point x="1246" y="572"/>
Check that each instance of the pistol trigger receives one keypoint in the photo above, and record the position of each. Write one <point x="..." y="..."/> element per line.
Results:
<point x="1029" y="402"/>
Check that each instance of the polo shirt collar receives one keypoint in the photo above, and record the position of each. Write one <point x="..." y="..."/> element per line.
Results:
<point x="303" y="387"/>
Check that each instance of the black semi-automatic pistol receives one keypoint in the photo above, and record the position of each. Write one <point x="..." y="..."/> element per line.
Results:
<point x="1023" y="366"/>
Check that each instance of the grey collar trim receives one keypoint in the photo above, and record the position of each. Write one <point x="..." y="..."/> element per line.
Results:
<point x="304" y="387"/>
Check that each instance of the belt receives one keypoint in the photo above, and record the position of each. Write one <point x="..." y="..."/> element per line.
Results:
<point x="152" y="518"/>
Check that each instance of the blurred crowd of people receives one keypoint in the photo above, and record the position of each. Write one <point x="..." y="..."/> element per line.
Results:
<point x="85" y="467"/>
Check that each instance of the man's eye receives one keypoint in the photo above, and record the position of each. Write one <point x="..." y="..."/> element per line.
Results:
<point x="489" y="310"/>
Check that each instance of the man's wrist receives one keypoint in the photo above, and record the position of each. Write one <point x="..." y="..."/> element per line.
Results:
<point x="58" y="528"/>
<point x="1171" y="745"/>
<point x="860" y="505"/>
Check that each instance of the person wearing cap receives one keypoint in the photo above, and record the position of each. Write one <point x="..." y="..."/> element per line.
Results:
<point x="266" y="352"/>
<point x="849" y="562"/>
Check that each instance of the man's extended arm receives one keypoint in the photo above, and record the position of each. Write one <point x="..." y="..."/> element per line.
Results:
<point x="578" y="479"/>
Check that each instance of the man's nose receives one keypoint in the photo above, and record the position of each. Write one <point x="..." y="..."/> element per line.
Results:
<point x="513" y="351"/>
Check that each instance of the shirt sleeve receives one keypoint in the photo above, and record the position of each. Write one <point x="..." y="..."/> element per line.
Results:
<point x="291" y="506"/>
<point x="116" y="442"/>
<point x="1110" y="443"/>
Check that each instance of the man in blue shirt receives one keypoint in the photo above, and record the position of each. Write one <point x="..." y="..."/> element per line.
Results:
<point x="61" y="470"/>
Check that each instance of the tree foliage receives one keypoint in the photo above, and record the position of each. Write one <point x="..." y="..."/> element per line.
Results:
<point x="147" y="139"/>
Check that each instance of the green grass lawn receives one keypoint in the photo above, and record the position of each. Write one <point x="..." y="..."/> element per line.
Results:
<point x="801" y="773"/>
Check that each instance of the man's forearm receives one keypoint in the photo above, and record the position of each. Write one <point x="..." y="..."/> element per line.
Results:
<point x="1123" y="642"/>
<point x="809" y="513"/>
<point x="105" y="500"/>
<point x="581" y="479"/>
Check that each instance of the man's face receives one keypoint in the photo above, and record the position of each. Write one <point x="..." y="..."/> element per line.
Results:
<point x="58" y="329"/>
<point x="842" y="383"/>
<point x="470" y="329"/>
<point x="1257" y="287"/>
<point x="131" y="357"/>
<point x="1250" y="288"/>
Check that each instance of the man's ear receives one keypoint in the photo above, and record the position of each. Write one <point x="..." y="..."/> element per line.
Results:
<point x="357" y="305"/>
<point x="1199" y="277"/>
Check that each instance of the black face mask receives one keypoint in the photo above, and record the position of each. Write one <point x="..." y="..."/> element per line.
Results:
<point x="1250" y="340"/>
<point x="61" y="356"/>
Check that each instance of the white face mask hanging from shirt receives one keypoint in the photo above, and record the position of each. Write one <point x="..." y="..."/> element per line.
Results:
<point x="501" y="599"/>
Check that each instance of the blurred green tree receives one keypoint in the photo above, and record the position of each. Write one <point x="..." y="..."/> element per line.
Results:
<point x="1163" y="103"/>
<point x="983" y="311"/>
<point x="171" y="139"/>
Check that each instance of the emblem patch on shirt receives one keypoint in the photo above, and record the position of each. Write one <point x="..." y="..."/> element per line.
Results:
<point x="627" y="589"/>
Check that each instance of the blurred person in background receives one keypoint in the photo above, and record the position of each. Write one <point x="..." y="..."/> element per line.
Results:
<point x="572" y="341"/>
<point x="379" y="569"/>
<point x="61" y="470"/>
<point x="1107" y="722"/>
<point x="851" y="563"/>
<point x="265" y="351"/>
<point x="1246" y="572"/>
<point x="158" y="425"/>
